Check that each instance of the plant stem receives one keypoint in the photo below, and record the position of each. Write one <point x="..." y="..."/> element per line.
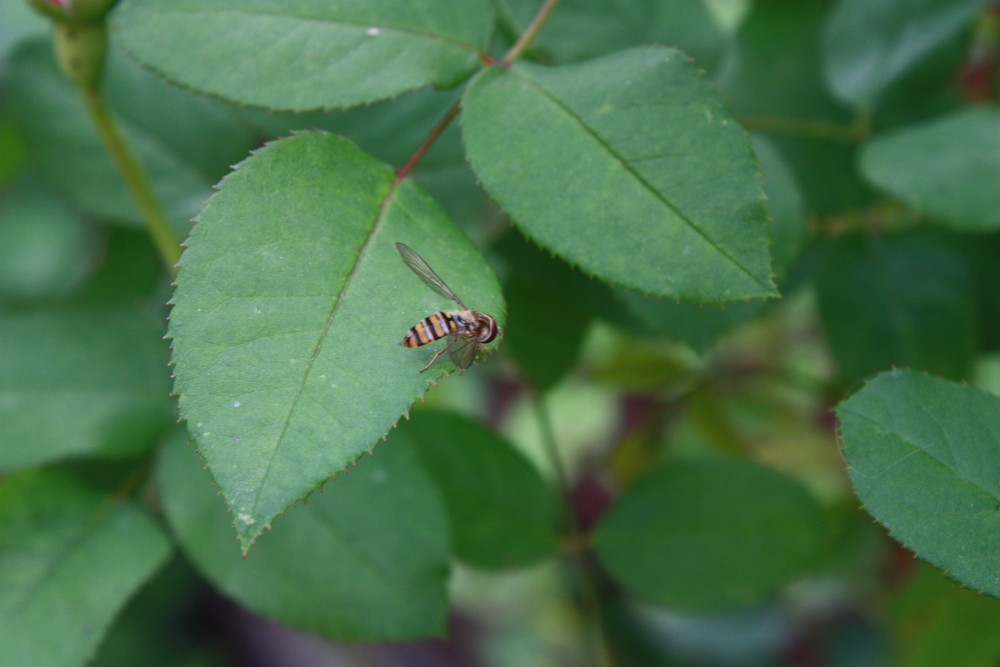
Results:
<point x="590" y="606"/>
<point x="530" y="32"/>
<point x="428" y="142"/>
<point x="135" y="179"/>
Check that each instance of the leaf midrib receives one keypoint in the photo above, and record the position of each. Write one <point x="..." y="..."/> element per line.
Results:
<point x="642" y="181"/>
<point x="376" y="223"/>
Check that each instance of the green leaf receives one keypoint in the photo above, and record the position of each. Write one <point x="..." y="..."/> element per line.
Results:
<point x="70" y="557"/>
<point x="367" y="559"/>
<point x="44" y="245"/>
<point x="392" y="131"/>
<point x="307" y="54"/>
<point x="184" y="143"/>
<point x="980" y="254"/>
<point x="922" y="453"/>
<point x="17" y="21"/>
<point x="897" y="301"/>
<point x="628" y="166"/>
<point x="936" y="623"/>
<point x="80" y="379"/>
<point x="583" y="29"/>
<point x="946" y="168"/>
<point x="502" y="513"/>
<point x="710" y="534"/>
<point x="870" y="45"/>
<point x="290" y="308"/>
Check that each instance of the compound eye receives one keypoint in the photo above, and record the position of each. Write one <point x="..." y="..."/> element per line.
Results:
<point x="487" y="330"/>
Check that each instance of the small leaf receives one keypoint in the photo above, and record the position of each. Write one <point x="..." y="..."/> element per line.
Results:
<point x="78" y="379"/>
<point x="502" y="513"/>
<point x="366" y="559"/>
<point x="870" y="45"/>
<point x="290" y="307"/>
<point x="629" y="166"/>
<point x="711" y="534"/>
<point x="922" y="455"/>
<point x="947" y="168"/>
<point x="301" y="54"/>
<point x="897" y="300"/>
<point x="69" y="560"/>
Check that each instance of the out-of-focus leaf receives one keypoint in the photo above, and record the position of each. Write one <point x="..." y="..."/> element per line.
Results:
<point x="773" y="80"/>
<point x="366" y="559"/>
<point x="936" y="623"/>
<point x="980" y="252"/>
<point x="17" y="21"/>
<point x="870" y="45"/>
<point x="502" y="513"/>
<point x="629" y="166"/>
<point x="290" y="308"/>
<point x="307" y="54"/>
<point x="691" y="323"/>
<point x="711" y="534"/>
<point x="583" y="29"/>
<point x="785" y="204"/>
<point x="549" y="306"/>
<point x="12" y="152"/>
<point x="69" y="559"/>
<point x="185" y="143"/>
<point x="947" y="168"/>
<point x="80" y="379"/>
<point x="44" y="246"/>
<point x="897" y="301"/>
<point x="922" y="453"/>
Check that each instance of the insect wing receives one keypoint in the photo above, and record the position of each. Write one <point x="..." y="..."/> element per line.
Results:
<point x="426" y="273"/>
<point x="462" y="350"/>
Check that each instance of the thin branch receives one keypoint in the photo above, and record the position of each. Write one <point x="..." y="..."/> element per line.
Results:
<point x="135" y="179"/>
<point x="427" y="143"/>
<point x="530" y="32"/>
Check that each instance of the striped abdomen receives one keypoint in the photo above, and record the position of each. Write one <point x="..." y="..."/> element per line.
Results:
<point x="430" y="329"/>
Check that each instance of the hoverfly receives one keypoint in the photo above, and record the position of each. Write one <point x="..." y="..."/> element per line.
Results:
<point x="466" y="329"/>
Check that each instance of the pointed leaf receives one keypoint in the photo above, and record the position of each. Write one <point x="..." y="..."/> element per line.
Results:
<point x="922" y="454"/>
<point x="70" y="558"/>
<point x="307" y="54"/>
<point x="366" y="559"/>
<point x="502" y="513"/>
<point x="711" y="534"/>
<point x="947" y="168"/>
<point x="290" y="308"/>
<point x="629" y="166"/>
